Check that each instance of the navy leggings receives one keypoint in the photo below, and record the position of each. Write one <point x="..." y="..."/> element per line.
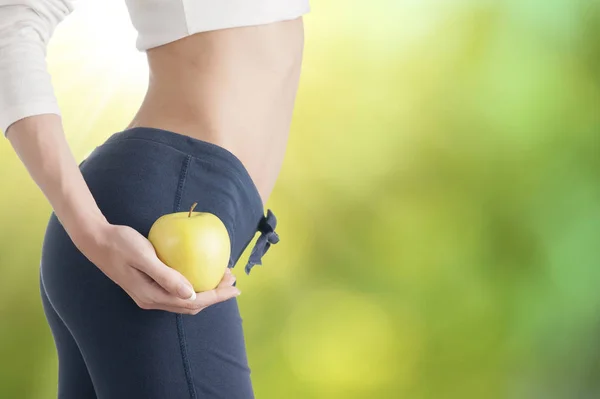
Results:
<point x="108" y="347"/>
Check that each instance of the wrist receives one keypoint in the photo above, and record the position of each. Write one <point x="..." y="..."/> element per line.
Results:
<point x="85" y="226"/>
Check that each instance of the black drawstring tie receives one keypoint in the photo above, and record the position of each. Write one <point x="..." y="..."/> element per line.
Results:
<point x="267" y="227"/>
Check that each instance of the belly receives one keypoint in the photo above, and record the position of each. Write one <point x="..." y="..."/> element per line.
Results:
<point x="232" y="87"/>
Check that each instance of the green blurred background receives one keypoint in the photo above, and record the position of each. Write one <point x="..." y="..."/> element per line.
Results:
<point x="439" y="205"/>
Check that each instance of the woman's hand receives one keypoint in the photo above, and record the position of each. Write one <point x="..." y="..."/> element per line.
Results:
<point x="129" y="259"/>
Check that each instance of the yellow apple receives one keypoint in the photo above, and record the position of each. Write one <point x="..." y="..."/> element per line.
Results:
<point x="194" y="243"/>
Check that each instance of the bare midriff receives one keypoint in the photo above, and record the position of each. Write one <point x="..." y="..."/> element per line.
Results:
<point x="231" y="87"/>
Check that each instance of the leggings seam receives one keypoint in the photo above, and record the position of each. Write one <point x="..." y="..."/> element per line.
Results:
<point x="179" y="317"/>
<point x="184" y="356"/>
<point x="181" y="184"/>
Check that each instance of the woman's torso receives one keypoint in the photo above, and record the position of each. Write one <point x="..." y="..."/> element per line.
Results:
<point x="231" y="87"/>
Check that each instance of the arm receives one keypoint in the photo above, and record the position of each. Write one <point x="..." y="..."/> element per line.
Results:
<point x="120" y="252"/>
<point x="41" y="145"/>
<point x="33" y="126"/>
<point x="30" y="116"/>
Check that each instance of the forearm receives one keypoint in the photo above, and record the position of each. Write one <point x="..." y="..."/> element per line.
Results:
<point x="40" y="143"/>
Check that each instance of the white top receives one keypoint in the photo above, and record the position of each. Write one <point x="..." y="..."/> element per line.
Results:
<point x="26" y="27"/>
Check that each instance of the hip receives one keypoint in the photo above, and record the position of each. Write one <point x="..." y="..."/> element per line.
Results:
<point x="140" y="174"/>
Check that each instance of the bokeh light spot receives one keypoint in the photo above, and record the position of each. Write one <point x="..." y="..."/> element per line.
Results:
<point x="339" y="341"/>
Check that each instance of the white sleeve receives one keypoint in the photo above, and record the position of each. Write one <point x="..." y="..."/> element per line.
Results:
<point x="25" y="84"/>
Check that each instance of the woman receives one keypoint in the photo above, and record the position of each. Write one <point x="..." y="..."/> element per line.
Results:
<point x="212" y="129"/>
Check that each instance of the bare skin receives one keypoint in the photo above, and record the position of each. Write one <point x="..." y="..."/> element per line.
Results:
<point x="232" y="87"/>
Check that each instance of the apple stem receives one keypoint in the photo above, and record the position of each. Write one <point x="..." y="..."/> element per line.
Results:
<point x="191" y="209"/>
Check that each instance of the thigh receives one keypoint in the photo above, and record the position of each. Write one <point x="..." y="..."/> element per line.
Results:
<point x="74" y="380"/>
<point x="150" y="354"/>
<point x="134" y="353"/>
<point x="216" y="352"/>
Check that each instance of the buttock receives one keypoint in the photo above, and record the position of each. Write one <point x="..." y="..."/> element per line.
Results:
<point x="140" y="174"/>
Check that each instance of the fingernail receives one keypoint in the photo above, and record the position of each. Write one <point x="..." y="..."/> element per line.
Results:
<point x="186" y="292"/>
<point x="237" y="292"/>
<point x="228" y="271"/>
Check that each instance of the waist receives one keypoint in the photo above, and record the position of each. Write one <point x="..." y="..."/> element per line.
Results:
<point x="233" y="87"/>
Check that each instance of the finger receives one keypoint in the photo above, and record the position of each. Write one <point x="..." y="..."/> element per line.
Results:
<point x="148" y="294"/>
<point x="173" y="309"/>
<point x="145" y="291"/>
<point x="227" y="280"/>
<point x="154" y="297"/>
<point x="168" y="278"/>
<point x="217" y="295"/>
